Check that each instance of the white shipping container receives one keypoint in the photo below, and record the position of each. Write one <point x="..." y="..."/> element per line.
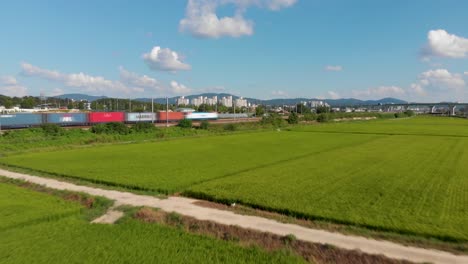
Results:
<point x="230" y="116"/>
<point x="201" y="116"/>
<point x="140" y="117"/>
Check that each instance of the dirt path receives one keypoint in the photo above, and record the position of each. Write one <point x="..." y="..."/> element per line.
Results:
<point x="187" y="207"/>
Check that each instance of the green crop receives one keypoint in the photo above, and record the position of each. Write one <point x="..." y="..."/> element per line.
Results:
<point x="39" y="228"/>
<point x="407" y="176"/>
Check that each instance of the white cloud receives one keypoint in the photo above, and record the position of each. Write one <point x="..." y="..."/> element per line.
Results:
<point x="379" y="92"/>
<point x="86" y="82"/>
<point x="31" y="70"/>
<point x="441" y="78"/>
<point x="279" y="4"/>
<point x="466" y="73"/>
<point x="279" y="93"/>
<point x="335" y="68"/>
<point x="417" y="89"/>
<point x="178" y="88"/>
<point x="439" y="85"/>
<point x="57" y="91"/>
<point x="9" y="86"/>
<point x="202" y="21"/>
<point x="128" y="84"/>
<point x="333" y="95"/>
<point x="164" y="60"/>
<point x="8" y="80"/>
<point x="443" y="44"/>
<point x="139" y="82"/>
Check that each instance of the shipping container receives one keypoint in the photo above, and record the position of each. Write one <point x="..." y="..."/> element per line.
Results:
<point x="20" y="120"/>
<point x="67" y="119"/>
<point x="171" y="116"/>
<point x="106" y="117"/>
<point x="201" y="116"/>
<point x="140" y="117"/>
<point x="230" y="116"/>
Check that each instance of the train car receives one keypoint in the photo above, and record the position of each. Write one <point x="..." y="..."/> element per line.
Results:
<point x="201" y="116"/>
<point x="231" y="116"/>
<point x="106" y="117"/>
<point x="66" y="119"/>
<point x="20" y="120"/>
<point x="170" y="116"/>
<point x="140" y="117"/>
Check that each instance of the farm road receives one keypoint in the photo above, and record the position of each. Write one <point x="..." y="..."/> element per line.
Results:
<point x="186" y="206"/>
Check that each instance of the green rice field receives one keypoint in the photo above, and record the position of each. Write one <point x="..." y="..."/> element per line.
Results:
<point x="40" y="228"/>
<point x="408" y="176"/>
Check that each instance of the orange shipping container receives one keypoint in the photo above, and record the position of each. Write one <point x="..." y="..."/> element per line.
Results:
<point x="171" y="116"/>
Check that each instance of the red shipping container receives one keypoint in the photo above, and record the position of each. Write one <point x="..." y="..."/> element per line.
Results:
<point x="172" y="116"/>
<point x="105" y="117"/>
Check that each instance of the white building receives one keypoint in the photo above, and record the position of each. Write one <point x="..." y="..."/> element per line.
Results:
<point x="315" y="104"/>
<point x="211" y="101"/>
<point x="197" y="101"/>
<point x="241" y="102"/>
<point x="182" y="101"/>
<point x="87" y="106"/>
<point x="226" y="101"/>
<point x="205" y="100"/>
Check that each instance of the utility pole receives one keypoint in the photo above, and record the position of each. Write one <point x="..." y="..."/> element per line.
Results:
<point x="129" y="105"/>
<point x="167" y="111"/>
<point x="152" y="110"/>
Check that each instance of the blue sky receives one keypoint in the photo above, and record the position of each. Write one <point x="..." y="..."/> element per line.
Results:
<point x="414" y="50"/>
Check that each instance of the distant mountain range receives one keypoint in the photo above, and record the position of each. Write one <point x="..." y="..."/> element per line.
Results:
<point x="80" y="97"/>
<point x="279" y="101"/>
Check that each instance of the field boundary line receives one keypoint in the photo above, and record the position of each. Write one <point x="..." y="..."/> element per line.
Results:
<point x="40" y="220"/>
<point x="187" y="207"/>
<point x="378" y="133"/>
<point x="231" y="174"/>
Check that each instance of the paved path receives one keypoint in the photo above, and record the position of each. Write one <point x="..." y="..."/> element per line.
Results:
<point x="110" y="217"/>
<point x="186" y="206"/>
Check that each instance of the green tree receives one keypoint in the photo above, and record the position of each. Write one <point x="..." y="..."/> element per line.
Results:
<point x="305" y="110"/>
<point x="259" y="110"/>
<point x="8" y="103"/>
<point x="409" y="113"/>
<point x="323" y="117"/>
<point x="273" y="119"/>
<point x="322" y="109"/>
<point x="293" y="118"/>
<point x="28" y="102"/>
<point x="222" y="108"/>
<point x="81" y="105"/>
<point x="310" y="117"/>
<point x="185" y="123"/>
<point x="204" y="124"/>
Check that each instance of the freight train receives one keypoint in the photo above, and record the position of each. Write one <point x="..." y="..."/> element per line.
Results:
<point x="23" y="120"/>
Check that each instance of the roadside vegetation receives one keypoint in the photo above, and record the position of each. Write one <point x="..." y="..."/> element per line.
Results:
<point x="55" y="229"/>
<point x="51" y="136"/>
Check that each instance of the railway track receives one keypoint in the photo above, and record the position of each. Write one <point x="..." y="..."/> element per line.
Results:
<point x="163" y="124"/>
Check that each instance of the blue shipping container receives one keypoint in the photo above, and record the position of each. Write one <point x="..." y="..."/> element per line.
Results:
<point x="67" y="119"/>
<point x="20" y="120"/>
